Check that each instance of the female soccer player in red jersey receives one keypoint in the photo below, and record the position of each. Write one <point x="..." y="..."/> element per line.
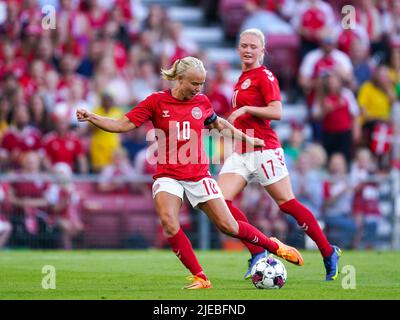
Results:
<point x="178" y="115"/>
<point x="256" y="101"/>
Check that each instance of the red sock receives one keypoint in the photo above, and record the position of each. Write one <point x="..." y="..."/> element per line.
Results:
<point x="306" y="220"/>
<point x="183" y="249"/>
<point x="240" y="216"/>
<point x="251" y="234"/>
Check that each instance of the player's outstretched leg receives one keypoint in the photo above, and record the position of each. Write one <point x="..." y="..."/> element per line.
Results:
<point x="218" y="212"/>
<point x="256" y="252"/>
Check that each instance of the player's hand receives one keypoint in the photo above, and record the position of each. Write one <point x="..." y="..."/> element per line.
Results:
<point x="236" y="114"/>
<point x="83" y="115"/>
<point x="255" y="142"/>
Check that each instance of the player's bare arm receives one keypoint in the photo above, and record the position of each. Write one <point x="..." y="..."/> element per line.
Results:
<point x="107" y="124"/>
<point x="228" y="129"/>
<point x="273" y="111"/>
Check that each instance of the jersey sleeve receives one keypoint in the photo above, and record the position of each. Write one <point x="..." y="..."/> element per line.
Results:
<point x="143" y="111"/>
<point x="269" y="87"/>
<point x="210" y="116"/>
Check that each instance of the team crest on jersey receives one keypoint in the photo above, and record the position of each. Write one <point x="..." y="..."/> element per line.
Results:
<point x="165" y="114"/>
<point x="246" y="84"/>
<point x="196" y="113"/>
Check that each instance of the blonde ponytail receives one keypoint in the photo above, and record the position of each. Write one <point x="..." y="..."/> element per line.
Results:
<point x="180" y="66"/>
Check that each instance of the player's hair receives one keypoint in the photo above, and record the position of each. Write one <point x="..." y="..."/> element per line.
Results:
<point x="260" y="35"/>
<point x="180" y="66"/>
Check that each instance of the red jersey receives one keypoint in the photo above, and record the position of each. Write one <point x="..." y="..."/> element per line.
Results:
<point x="63" y="148"/>
<point x="178" y="125"/>
<point x="340" y="118"/>
<point x="257" y="88"/>
<point x="17" y="141"/>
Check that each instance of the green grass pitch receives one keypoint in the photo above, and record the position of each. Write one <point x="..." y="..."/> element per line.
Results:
<point x="158" y="274"/>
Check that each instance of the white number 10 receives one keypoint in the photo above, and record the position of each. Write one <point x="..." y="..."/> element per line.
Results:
<point x="185" y="130"/>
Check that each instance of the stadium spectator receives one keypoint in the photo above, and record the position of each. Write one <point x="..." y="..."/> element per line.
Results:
<point x="367" y="213"/>
<point x="294" y="144"/>
<point x="19" y="137"/>
<point x="145" y="82"/>
<point x="65" y="109"/>
<point x="135" y="141"/>
<point x="391" y="25"/>
<point x="338" y="199"/>
<point x="10" y="62"/>
<point x="64" y="146"/>
<point x="175" y="44"/>
<point x="63" y="205"/>
<point x="312" y="21"/>
<point x="337" y="109"/>
<point x="69" y="78"/>
<point x="117" y="177"/>
<point x="368" y="15"/>
<point x="347" y="36"/>
<point x="317" y="63"/>
<point x="11" y="28"/>
<point x="308" y="188"/>
<point x="394" y="68"/>
<point x="220" y="89"/>
<point x="27" y="197"/>
<point x="109" y="79"/>
<point x="103" y="144"/>
<point x="318" y="156"/>
<point x="375" y="99"/>
<point x="38" y="113"/>
<point x="5" y="109"/>
<point x="362" y="63"/>
<point x="5" y="225"/>
<point x="155" y="22"/>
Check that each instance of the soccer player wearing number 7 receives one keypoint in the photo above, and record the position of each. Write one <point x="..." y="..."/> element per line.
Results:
<point x="178" y="116"/>
<point x="256" y="101"/>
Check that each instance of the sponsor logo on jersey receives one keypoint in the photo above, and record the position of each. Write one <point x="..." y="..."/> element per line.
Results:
<point x="246" y="84"/>
<point x="166" y="114"/>
<point x="196" y="113"/>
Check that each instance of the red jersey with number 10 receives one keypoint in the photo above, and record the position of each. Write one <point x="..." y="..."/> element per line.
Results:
<point x="178" y="125"/>
<point x="257" y="88"/>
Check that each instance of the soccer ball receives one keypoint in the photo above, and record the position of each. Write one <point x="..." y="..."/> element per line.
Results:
<point x="268" y="273"/>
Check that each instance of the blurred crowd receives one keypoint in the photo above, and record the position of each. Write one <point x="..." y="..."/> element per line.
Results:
<point x="105" y="56"/>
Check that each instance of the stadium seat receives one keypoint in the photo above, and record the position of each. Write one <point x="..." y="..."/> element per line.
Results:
<point x="232" y="13"/>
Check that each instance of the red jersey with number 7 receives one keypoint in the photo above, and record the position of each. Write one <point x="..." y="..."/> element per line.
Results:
<point x="178" y="128"/>
<point x="257" y="88"/>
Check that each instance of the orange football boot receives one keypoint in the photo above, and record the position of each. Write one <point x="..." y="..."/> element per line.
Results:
<point x="288" y="253"/>
<point x="197" y="283"/>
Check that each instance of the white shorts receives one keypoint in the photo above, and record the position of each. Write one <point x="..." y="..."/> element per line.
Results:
<point x="196" y="191"/>
<point x="264" y="166"/>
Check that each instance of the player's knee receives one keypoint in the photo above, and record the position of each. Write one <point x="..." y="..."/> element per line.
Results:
<point x="170" y="226"/>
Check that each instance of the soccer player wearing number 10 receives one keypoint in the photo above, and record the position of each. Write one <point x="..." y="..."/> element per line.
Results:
<point x="178" y="115"/>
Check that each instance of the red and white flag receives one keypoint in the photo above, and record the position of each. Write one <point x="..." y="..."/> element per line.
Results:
<point x="382" y="138"/>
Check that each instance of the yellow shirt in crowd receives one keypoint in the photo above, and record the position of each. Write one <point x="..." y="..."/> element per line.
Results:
<point x="374" y="102"/>
<point x="104" y="143"/>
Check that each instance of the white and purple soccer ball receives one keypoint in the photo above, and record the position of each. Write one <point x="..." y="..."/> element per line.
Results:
<point x="268" y="273"/>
